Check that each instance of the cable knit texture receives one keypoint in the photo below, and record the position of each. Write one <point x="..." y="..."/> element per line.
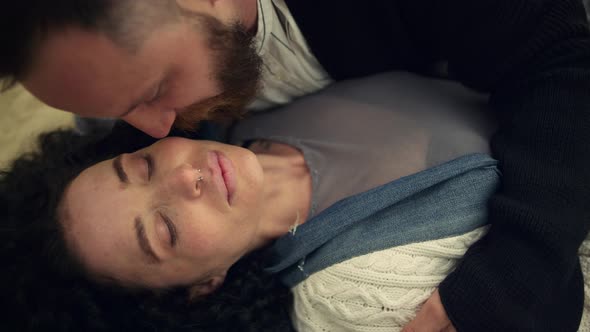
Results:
<point x="382" y="291"/>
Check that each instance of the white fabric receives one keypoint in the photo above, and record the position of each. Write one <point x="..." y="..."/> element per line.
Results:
<point x="290" y="70"/>
<point x="584" y="254"/>
<point x="382" y="291"/>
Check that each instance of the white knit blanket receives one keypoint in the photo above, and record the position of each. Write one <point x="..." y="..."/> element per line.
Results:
<point x="382" y="291"/>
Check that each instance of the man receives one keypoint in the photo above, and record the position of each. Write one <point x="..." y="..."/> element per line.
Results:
<point x="155" y="63"/>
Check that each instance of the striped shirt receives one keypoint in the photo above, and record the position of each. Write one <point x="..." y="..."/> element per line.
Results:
<point x="290" y="70"/>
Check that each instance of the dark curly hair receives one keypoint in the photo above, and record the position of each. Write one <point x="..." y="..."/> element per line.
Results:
<point x="44" y="288"/>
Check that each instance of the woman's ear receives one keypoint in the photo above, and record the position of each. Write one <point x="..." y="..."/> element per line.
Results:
<point x="206" y="287"/>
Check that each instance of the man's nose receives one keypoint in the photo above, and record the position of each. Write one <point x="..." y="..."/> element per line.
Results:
<point x="153" y="121"/>
<point x="184" y="181"/>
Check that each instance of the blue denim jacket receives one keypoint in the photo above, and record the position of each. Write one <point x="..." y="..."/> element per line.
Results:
<point x="442" y="201"/>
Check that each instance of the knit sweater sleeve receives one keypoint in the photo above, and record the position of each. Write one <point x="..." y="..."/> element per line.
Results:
<point x="533" y="56"/>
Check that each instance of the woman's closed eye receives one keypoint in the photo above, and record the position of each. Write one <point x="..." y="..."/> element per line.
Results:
<point x="148" y="164"/>
<point x="166" y="229"/>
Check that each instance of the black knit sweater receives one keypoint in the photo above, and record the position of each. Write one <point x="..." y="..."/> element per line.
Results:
<point x="533" y="57"/>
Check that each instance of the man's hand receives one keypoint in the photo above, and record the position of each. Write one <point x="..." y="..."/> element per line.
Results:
<point x="431" y="318"/>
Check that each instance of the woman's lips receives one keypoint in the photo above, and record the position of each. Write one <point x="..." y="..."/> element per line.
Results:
<point x="225" y="168"/>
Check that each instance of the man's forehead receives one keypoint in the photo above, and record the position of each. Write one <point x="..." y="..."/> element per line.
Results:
<point x="82" y="72"/>
<point x="78" y="47"/>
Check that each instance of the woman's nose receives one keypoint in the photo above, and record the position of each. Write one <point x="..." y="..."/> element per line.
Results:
<point x="184" y="181"/>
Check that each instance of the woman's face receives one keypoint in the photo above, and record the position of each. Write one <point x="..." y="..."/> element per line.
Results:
<point x="175" y="213"/>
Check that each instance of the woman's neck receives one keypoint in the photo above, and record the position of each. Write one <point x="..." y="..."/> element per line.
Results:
<point x="287" y="188"/>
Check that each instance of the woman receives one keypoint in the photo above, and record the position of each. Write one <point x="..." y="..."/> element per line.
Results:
<point x="363" y="166"/>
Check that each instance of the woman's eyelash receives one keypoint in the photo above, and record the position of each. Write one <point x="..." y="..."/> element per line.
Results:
<point x="150" y="165"/>
<point x="171" y="229"/>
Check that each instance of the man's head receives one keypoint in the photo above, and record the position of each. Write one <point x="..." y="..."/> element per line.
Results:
<point x="150" y="63"/>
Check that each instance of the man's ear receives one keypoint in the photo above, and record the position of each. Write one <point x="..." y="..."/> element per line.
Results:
<point x="206" y="287"/>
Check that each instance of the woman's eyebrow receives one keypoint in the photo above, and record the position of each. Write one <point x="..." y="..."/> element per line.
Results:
<point x="144" y="243"/>
<point x="118" y="167"/>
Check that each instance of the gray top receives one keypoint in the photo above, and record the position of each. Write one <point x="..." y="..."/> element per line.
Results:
<point x="389" y="119"/>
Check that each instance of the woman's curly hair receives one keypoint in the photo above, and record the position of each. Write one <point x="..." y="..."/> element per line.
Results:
<point x="44" y="288"/>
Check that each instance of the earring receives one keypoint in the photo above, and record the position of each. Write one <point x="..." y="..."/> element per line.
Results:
<point x="200" y="178"/>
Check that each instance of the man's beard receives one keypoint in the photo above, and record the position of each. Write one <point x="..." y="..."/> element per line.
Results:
<point x="237" y="71"/>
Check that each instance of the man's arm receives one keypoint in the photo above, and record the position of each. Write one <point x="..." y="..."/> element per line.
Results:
<point x="533" y="56"/>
